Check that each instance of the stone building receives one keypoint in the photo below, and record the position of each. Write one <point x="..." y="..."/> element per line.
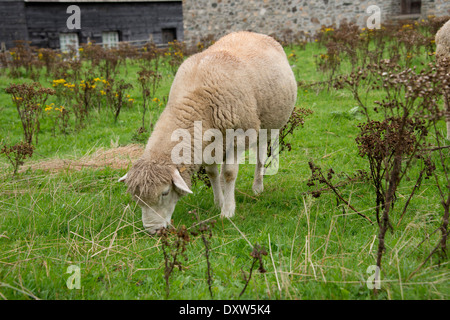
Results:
<point x="44" y="22"/>
<point x="202" y="18"/>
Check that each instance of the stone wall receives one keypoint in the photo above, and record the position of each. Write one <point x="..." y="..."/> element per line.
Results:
<point x="436" y="7"/>
<point x="219" y="17"/>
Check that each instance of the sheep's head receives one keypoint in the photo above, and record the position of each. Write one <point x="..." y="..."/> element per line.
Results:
<point x="156" y="188"/>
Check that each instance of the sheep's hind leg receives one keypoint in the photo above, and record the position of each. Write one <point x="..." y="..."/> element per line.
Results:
<point x="213" y="174"/>
<point x="228" y="175"/>
<point x="258" y="184"/>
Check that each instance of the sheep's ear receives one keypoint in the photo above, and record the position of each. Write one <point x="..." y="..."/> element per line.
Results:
<point x="179" y="182"/>
<point x="123" y="178"/>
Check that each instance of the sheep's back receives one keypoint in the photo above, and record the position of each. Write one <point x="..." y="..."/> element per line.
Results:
<point x="246" y="78"/>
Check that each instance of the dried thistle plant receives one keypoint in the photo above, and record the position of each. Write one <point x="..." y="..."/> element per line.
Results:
<point x="408" y="111"/>
<point x="149" y="80"/>
<point x="296" y="120"/>
<point x="16" y="154"/>
<point x="257" y="257"/>
<point x="174" y="243"/>
<point x="24" y="56"/>
<point x="318" y="177"/>
<point x="175" y="54"/>
<point x="29" y="100"/>
<point x="116" y="96"/>
<point x="204" y="229"/>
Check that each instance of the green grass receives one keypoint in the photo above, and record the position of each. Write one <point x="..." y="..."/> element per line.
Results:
<point x="317" y="249"/>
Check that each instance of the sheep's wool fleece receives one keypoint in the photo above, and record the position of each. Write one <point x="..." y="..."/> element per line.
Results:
<point x="243" y="81"/>
<point x="443" y="41"/>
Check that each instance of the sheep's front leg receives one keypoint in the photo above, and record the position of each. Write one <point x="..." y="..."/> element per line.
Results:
<point x="228" y="175"/>
<point x="258" y="185"/>
<point x="213" y="174"/>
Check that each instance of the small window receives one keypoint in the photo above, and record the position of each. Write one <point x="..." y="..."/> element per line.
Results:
<point x="169" y="35"/>
<point x="110" y="39"/>
<point x="411" y="6"/>
<point x="67" y="40"/>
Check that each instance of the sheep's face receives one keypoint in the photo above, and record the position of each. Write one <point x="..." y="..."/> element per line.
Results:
<point x="157" y="210"/>
<point x="156" y="188"/>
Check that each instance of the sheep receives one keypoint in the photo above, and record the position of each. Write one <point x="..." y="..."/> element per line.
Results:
<point x="243" y="81"/>
<point x="443" y="51"/>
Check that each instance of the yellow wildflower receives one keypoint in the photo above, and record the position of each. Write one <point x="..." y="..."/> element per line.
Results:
<point x="407" y="26"/>
<point x="58" y="82"/>
<point x="60" y="109"/>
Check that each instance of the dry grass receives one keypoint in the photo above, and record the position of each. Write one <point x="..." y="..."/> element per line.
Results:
<point x="115" y="158"/>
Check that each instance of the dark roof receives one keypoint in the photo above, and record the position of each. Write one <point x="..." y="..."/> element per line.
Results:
<point x="87" y="1"/>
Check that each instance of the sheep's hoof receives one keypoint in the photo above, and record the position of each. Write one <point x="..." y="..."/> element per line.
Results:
<point x="258" y="188"/>
<point x="227" y="211"/>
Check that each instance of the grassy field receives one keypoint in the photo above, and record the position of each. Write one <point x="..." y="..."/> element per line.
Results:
<point x="317" y="248"/>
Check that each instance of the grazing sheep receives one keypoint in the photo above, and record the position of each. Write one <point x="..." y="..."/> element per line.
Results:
<point x="443" y="51"/>
<point x="243" y="81"/>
